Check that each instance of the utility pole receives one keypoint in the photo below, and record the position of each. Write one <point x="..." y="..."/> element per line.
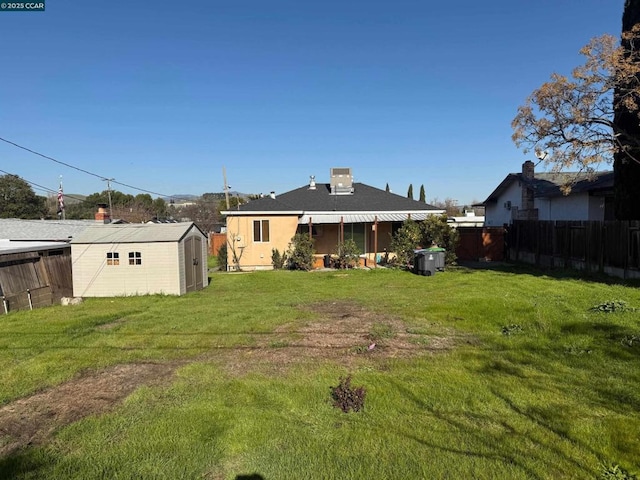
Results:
<point x="226" y="187"/>
<point x="109" y="180"/>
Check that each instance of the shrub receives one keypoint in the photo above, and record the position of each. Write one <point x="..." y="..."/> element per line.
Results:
<point x="278" y="260"/>
<point x="300" y="252"/>
<point x="404" y="242"/>
<point x="222" y="257"/>
<point x="348" y="398"/>
<point x="434" y="230"/>
<point x="347" y="254"/>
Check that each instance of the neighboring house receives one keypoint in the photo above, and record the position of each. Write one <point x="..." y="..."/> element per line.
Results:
<point x="34" y="274"/>
<point x="469" y="219"/>
<point x="539" y="196"/>
<point x="330" y="212"/>
<point x="139" y="259"/>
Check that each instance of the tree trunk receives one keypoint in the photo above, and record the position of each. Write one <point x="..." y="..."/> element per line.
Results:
<point x="627" y="171"/>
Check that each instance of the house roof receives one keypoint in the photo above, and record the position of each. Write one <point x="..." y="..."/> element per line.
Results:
<point x="135" y="233"/>
<point x="550" y="184"/>
<point x="42" y="230"/>
<point x="321" y="206"/>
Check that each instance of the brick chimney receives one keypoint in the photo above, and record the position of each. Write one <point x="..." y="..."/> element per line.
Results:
<point x="527" y="210"/>
<point x="102" y="215"/>
<point x="528" y="170"/>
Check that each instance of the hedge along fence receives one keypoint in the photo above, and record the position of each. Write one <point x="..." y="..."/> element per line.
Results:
<point x="605" y="247"/>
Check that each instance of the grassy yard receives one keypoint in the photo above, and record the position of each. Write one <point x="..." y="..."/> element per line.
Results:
<point x="504" y="373"/>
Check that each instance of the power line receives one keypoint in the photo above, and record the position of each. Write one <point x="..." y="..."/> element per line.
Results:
<point x="101" y="177"/>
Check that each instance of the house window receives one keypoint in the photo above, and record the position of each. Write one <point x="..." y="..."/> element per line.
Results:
<point x="261" y="230"/>
<point x="113" y="258"/>
<point x="135" y="258"/>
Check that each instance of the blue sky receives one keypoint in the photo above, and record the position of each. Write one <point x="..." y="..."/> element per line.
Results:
<point x="162" y="95"/>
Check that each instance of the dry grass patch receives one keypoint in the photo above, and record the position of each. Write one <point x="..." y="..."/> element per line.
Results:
<point x="33" y="419"/>
<point x="345" y="332"/>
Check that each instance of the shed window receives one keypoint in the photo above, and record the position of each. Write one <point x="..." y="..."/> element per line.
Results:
<point x="113" y="258"/>
<point x="135" y="258"/>
<point x="261" y="230"/>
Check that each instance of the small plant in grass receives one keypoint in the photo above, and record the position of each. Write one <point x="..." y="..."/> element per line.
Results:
<point x="613" y="471"/>
<point x="574" y="349"/>
<point x="512" y="329"/>
<point x="630" y="341"/>
<point x="380" y="331"/>
<point x="613" y="306"/>
<point x="278" y="344"/>
<point x="347" y="398"/>
<point x="359" y="349"/>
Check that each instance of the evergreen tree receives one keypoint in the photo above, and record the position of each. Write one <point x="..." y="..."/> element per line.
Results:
<point x="387" y="188"/>
<point x="18" y="200"/>
<point x="423" y="197"/>
<point x="410" y="191"/>
<point x="626" y="170"/>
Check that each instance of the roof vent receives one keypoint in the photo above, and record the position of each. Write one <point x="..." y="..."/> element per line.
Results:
<point x="273" y="195"/>
<point x="312" y="182"/>
<point x="341" y="181"/>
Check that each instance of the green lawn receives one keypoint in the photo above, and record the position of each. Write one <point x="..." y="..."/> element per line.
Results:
<point x="505" y="373"/>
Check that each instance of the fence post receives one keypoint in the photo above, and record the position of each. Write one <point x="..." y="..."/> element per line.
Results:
<point x="4" y="304"/>
<point x="29" y="297"/>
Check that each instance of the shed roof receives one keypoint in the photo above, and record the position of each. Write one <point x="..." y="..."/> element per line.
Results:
<point x="135" y="233"/>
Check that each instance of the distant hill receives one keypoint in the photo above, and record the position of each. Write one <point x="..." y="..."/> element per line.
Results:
<point x="191" y="198"/>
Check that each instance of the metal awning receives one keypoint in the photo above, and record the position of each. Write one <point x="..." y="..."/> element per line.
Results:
<point x="322" y="218"/>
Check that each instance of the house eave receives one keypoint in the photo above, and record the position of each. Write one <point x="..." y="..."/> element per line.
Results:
<point x="259" y="213"/>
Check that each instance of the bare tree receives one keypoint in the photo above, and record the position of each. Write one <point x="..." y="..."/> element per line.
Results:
<point x="569" y="120"/>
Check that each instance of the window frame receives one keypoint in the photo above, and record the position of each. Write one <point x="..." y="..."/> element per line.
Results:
<point x="135" y="258"/>
<point x="260" y="233"/>
<point x="113" y="258"/>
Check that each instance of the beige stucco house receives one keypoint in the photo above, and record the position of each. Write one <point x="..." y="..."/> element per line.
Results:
<point x="329" y="212"/>
<point x="139" y="259"/>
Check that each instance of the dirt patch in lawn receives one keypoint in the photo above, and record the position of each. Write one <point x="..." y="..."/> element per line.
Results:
<point x="345" y="332"/>
<point x="31" y="420"/>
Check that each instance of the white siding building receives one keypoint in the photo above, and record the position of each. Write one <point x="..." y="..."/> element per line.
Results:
<point x="539" y="196"/>
<point x="139" y="259"/>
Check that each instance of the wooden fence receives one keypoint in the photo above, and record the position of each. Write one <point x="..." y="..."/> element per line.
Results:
<point x="216" y="240"/>
<point x="480" y="243"/>
<point x="27" y="300"/>
<point x="605" y="247"/>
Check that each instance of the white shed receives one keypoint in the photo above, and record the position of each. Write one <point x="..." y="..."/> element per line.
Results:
<point x="139" y="259"/>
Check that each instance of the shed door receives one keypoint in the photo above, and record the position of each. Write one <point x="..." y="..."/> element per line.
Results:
<point x="193" y="263"/>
